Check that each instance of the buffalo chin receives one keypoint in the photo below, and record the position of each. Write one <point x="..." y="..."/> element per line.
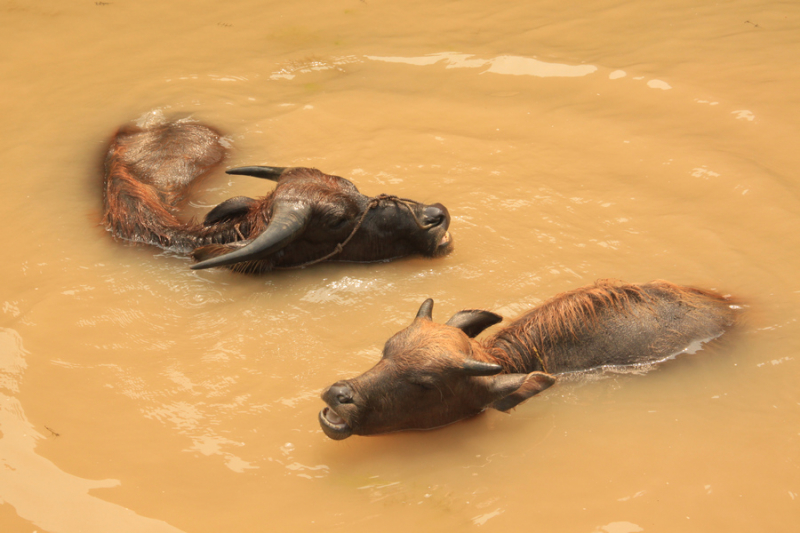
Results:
<point x="333" y="425"/>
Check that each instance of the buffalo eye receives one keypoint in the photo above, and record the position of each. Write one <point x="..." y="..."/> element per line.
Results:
<point x="339" y="223"/>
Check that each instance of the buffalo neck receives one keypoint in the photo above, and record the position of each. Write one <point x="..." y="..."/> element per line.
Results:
<point x="515" y="353"/>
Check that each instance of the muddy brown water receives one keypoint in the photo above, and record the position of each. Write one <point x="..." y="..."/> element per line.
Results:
<point x="570" y="142"/>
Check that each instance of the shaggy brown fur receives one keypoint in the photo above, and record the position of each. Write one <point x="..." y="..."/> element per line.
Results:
<point x="543" y="338"/>
<point x="148" y="174"/>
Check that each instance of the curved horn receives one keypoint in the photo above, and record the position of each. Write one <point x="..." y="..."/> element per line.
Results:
<point x="473" y="321"/>
<point x="267" y="173"/>
<point x="426" y="309"/>
<point x="288" y="221"/>
<point x="471" y="367"/>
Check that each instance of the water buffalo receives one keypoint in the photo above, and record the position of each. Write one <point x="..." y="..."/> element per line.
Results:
<point x="309" y="217"/>
<point x="434" y="374"/>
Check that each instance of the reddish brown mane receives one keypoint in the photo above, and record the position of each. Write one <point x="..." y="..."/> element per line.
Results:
<point x="572" y="315"/>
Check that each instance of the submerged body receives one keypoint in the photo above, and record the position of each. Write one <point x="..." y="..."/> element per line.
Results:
<point x="610" y="324"/>
<point x="149" y="173"/>
<point x="433" y="374"/>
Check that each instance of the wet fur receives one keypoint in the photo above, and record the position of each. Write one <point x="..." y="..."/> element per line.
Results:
<point x="626" y="324"/>
<point x="149" y="173"/>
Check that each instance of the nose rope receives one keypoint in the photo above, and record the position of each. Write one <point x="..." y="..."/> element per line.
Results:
<point x="539" y="358"/>
<point x="373" y="202"/>
<point x="407" y="203"/>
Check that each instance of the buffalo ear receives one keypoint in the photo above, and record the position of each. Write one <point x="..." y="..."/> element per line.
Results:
<point x="473" y="321"/>
<point x="238" y="206"/>
<point x="517" y="388"/>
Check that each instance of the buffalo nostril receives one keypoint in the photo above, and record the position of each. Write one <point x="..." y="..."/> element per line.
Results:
<point x="341" y="392"/>
<point x="434" y="215"/>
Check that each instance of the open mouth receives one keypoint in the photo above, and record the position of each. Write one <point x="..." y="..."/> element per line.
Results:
<point x="334" y="425"/>
<point x="445" y="244"/>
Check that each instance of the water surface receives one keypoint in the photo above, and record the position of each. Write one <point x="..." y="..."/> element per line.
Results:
<point x="570" y="142"/>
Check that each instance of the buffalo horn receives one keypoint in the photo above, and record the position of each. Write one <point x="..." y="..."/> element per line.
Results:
<point x="288" y="221"/>
<point x="426" y="309"/>
<point x="473" y="321"/>
<point x="471" y="367"/>
<point x="268" y="173"/>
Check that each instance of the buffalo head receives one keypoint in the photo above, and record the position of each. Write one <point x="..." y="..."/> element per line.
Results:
<point x="430" y="375"/>
<point x="312" y="216"/>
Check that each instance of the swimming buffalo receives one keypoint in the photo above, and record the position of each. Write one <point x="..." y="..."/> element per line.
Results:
<point x="434" y="374"/>
<point x="309" y="217"/>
